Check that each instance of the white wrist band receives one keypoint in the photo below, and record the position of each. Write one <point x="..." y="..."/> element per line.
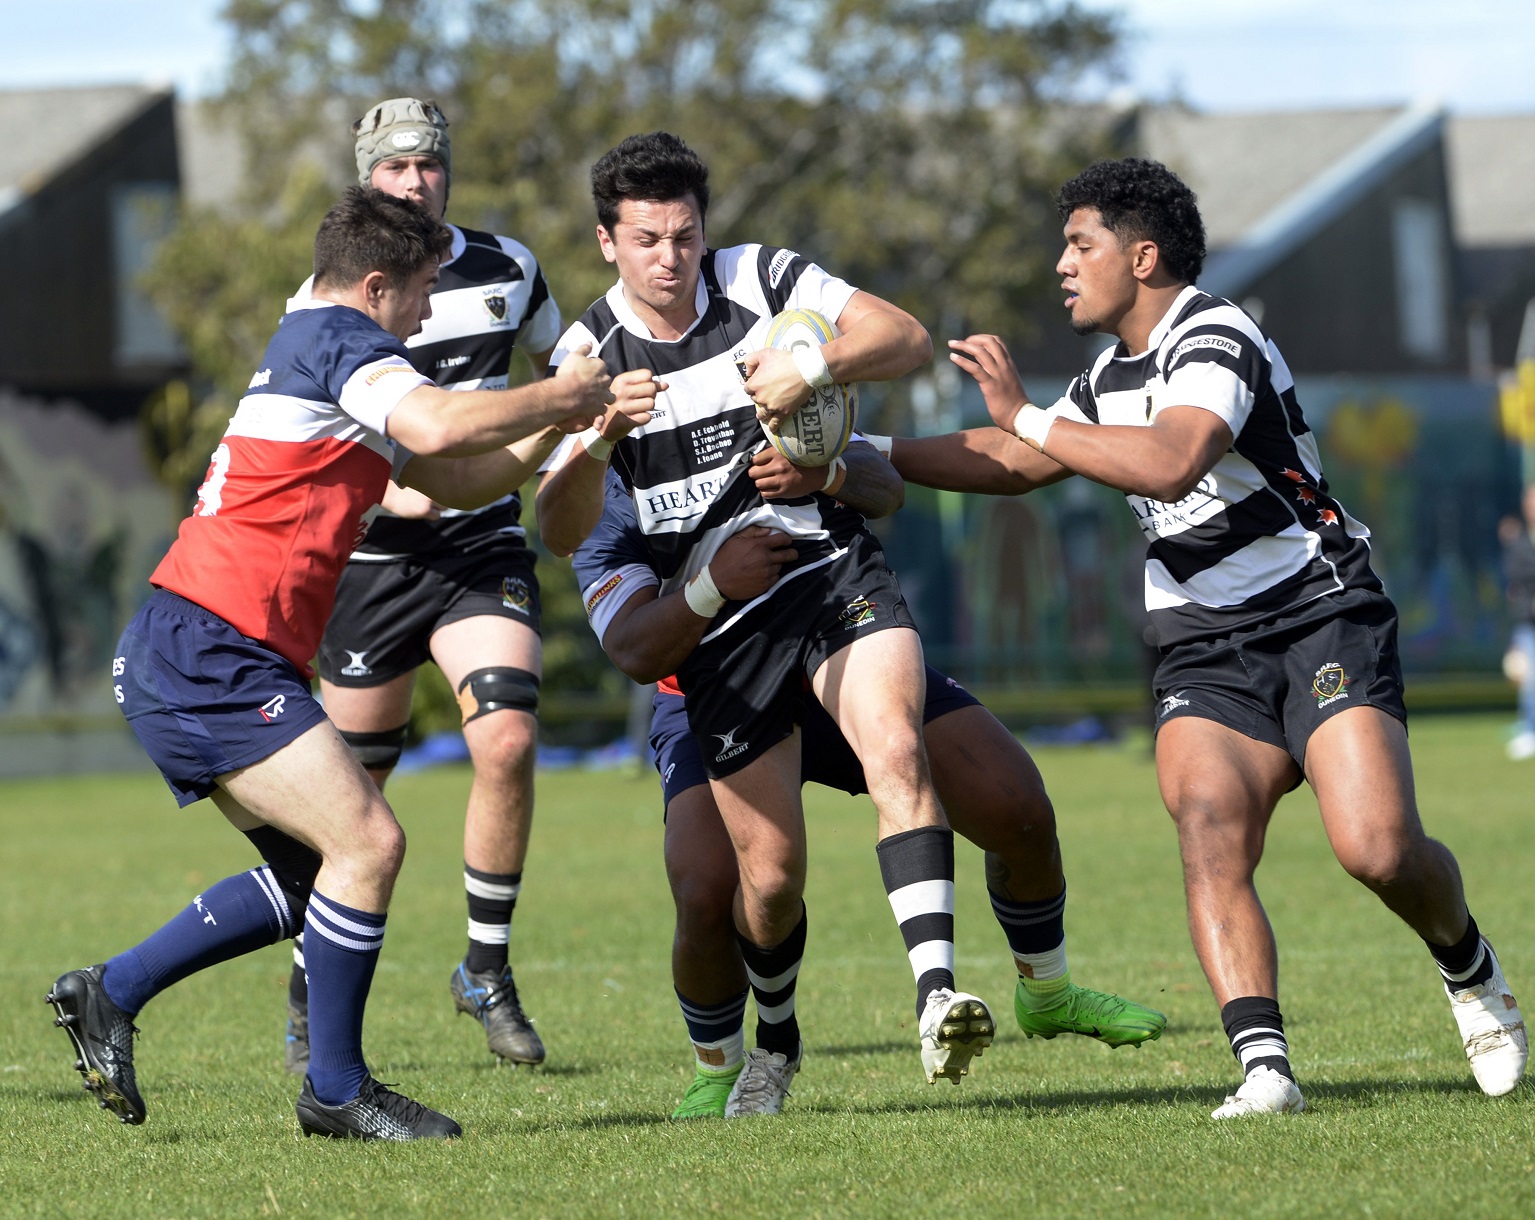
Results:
<point x="1032" y="425"/>
<point x="836" y="472"/>
<point x="881" y="443"/>
<point x="812" y="367"/>
<point x="701" y="595"/>
<point x="596" y="445"/>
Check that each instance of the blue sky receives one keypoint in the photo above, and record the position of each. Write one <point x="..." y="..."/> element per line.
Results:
<point x="1475" y="56"/>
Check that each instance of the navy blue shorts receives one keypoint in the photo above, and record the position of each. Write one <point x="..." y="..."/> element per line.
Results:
<point x="203" y="699"/>
<point x="825" y="756"/>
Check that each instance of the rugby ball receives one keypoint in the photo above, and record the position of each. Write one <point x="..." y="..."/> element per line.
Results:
<point x="819" y="431"/>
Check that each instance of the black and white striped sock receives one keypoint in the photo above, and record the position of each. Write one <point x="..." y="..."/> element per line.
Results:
<point x="773" y="974"/>
<point x="1466" y="963"/>
<point x="1257" y="1036"/>
<point x="918" y="871"/>
<point x="492" y="899"/>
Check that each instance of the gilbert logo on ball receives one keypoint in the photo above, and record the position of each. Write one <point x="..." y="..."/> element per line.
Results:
<point x="819" y="431"/>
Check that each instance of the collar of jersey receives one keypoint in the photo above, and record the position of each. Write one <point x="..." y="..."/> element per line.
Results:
<point x="1165" y="324"/>
<point x="624" y="312"/>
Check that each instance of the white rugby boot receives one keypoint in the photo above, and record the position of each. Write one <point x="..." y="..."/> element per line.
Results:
<point x="763" y="1083"/>
<point x="955" y="1028"/>
<point x="1265" y="1091"/>
<point x="1496" y="1041"/>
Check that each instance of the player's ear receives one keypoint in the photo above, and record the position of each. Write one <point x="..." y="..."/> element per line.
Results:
<point x="605" y="240"/>
<point x="1147" y="258"/>
<point x="374" y="285"/>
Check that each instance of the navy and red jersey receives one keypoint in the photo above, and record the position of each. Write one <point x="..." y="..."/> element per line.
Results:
<point x="289" y="491"/>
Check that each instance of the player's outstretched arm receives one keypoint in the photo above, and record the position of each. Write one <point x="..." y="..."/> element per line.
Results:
<point x="650" y="636"/>
<point x="570" y="495"/>
<point x="986" y="461"/>
<point x="861" y="479"/>
<point x="434" y="422"/>
<point x="879" y="342"/>
<point x="1162" y="461"/>
<point x="470" y="482"/>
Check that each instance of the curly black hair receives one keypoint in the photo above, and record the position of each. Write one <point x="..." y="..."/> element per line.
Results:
<point x="657" y="167"/>
<point x="371" y="231"/>
<point x="1142" y="200"/>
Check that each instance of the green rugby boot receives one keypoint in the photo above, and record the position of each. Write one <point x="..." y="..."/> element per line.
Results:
<point x="707" y="1095"/>
<point x="1111" y="1019"/>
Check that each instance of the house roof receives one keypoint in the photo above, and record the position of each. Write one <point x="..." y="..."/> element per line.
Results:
<point x="51" y="129"/>
<point x="1491" y="160"/>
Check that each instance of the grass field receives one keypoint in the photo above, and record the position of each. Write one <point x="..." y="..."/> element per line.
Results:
<point x="1066" y="1127"/>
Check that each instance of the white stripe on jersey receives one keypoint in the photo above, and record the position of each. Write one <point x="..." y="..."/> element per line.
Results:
<point x="1261" y="564"/>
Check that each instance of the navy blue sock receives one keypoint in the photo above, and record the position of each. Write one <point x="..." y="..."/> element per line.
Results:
<point x="1031" y="927"/>
<point x="241" y="913"/>
<point x="341" y="947"/>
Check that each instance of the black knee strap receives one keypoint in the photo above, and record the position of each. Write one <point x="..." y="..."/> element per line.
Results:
<point x="294" y="864"/>
<point x="376" y="751"/>
<point x="491" y="690"/>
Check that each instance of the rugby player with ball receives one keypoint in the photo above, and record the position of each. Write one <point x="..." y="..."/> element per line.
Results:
<point x="679" y="332"/>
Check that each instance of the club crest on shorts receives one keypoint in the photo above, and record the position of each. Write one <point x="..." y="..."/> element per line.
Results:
<point x="857" y="613"/>
<point x="1330" y="684"/>
<point x="495" y="304"/>
<point x="515" y="594"/>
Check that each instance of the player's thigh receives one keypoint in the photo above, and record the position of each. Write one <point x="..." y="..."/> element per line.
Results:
<point x="314" y="790"/>
<point x="761" y="809"/>
<point x="1219" y="785"/>
<point x="1359" y="766"/>
<point x="989" y="786"/>
<point x="700" y="860"/>
<point x="369" y="709"/>
<point x="483" y="642"/>
<point x="874" y="689"/>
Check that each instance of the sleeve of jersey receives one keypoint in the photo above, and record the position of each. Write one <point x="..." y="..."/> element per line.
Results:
<point x="1076" y="403"/>
<point x="542" y="329"/>
<point x="374" y="389"/>
<point x="611" y="565"/>
<point x="1217" y="368"/>
<point x="804" y="285"/>
<point x="575" y="335"/>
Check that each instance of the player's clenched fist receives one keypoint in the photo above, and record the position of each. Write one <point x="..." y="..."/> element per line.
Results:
<point x="748" y="562"/>
<point x="581" y="383"/>
<point x="632" y="403"/>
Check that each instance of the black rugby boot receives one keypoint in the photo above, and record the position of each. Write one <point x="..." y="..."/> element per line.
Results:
<point x="376" y="1113"/>
<point x="103" y="1036"/>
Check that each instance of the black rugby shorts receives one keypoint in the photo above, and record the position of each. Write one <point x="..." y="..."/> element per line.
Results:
<point x="1278" y="682"/>
<point x="386" y="613"/>
<point x="744" y="688"/>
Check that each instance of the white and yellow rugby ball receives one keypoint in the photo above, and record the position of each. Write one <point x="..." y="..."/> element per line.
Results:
<point x="819" y="431"/>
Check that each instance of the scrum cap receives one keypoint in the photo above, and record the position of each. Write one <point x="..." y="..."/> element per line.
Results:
<point x="401" y="127"/>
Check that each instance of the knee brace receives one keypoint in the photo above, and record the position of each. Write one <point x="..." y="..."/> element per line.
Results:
<point x="490" y="690"/>
<point x="377" y="751"/>
<point x="294" y="864"/>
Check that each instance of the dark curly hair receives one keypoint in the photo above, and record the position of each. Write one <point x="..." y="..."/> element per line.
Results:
<point x="657" y="167"/>
<point x="1142" y="200"/>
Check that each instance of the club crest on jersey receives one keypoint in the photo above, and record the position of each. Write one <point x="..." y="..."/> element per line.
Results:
<point x="857" y="613"/>
<point x="494" y="301"/>
<point x="1330" y="684"/>
<point x="272" y="708"/>
<point x="515" y="594"/>
<point x="729" y="746"/>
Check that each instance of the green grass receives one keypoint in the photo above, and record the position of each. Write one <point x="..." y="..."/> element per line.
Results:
<point x="1064" y="1127"/>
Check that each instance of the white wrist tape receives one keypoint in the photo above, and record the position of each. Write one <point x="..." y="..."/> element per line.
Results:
<point x="596" y="445"/>
<point x="836" y="472"/>
<point x="882" y="443"/>
<point x="812" y="367"/>
<point x="702" y="597"/>
<point x="1032" y="425"/>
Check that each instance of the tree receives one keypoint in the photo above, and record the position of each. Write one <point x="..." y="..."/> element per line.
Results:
<point x="911" y="146"/>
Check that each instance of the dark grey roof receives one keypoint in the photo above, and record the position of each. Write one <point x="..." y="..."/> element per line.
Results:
<point x="51" y="129"/>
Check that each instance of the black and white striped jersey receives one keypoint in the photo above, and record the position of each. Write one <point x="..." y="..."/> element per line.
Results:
<point x="1260" y="535"/>
<point x="686" y="468"/>
<point x="490" y="296"/>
